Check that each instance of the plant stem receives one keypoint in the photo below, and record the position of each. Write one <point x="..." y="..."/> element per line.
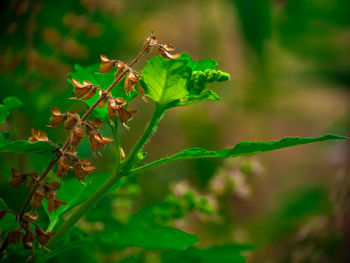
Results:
<point x="84" y="207"/>
<point x="149" y="130"/>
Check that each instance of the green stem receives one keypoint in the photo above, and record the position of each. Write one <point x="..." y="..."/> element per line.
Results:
<point x="77" y="214"/>
<point x="114" y="128"/>
<point x="149" y="130"/>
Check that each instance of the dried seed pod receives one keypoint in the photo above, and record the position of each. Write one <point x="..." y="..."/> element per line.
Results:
<point x="72" y="120"/>
<point x="116" y="107"/>
<point x="28" y="218"/>
<point x="150" y="42"/>
<point x="130" y="82"/>
<point x="34" y="178"/>
<point x="40" y="136"/>
<point x="53" y="202"/>
<point x="84" y="91"/>
<point x="82" y="168"/>
<point x="165" y="54"/>
<point x="104" y="101"/>
<point x="55" y="185"/>
<point x="15" y="236"/>
<point x="97" y="141"/>
<point x="31" y="216"/>
<point x="28" y="240"/>
<point x="43" y="237"/>
<point x="38" y="197"/>
<point x="77" y="135"/>
<point x="107" y="64"/>
<point x="57" y="117"/>
<point x="17" y="178"/>
<point x="122" y="154"/>
<point x="63" y="166"/>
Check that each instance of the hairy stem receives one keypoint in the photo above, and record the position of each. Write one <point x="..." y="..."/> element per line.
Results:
<point x="84" y="207"/>
<point x="149" y="130"/>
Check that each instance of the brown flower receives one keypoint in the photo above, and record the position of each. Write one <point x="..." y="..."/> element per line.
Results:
<point x="130" y="82"/>
<point x="53" y="202"/>
<point x="84" y="91"/>
<point x="38" y="197"/>
<point x="107" y="64"/>
<point x="93" y="125"/>
<point x="104" y="101"/>
<point x="82" y="168"/>
<point x="97" y="141"/>
<point x="34" y="178"/>
<point x="40" y="136"/>
<point x="117" y="107"/>
<point x="77" y="135"/>
<point x="28" y="240"/>
<point x="15" y="236"/>
<point x="57" y="117"/>
<point x="63" y="166"/>
<point x="17" y="179"/>
<point x="165" y="49"/>
<point x="43" y="237"/>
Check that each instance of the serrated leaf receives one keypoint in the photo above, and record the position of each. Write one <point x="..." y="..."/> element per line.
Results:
<point x="21" y="146"/>
<point x="9" y="103"/>
<point x="165" y="81"/>
<point x="91" y="74"/>
<point x="150" y="237"/>
<point x="242" y="148"/>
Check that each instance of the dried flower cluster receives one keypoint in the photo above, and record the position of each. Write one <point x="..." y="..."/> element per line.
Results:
<point x="66" y="156"/>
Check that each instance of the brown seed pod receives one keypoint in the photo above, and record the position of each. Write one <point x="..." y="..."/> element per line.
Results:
<point x="38" y="197"/>
<point x="53" y="202"/>
<point x="77" y="135"/>
<point x="97" y="141"/>
<point x="63" y="166"/>
<point x="17" y="178"/>
<point x="83" y="168"/>
<point x="130" y="82"/>
<point x="72" y="120"/>
<point x="34" y="178"/>
<point x="107" y="64"/>
<point x="42" y="236"/>
<point x="39" y="136"/>
<point x="57" y="117"/>
<point x="28" y="240"/>
<point x="84" y="91"/>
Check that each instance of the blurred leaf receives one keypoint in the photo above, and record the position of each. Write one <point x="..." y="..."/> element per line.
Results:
<point x="165" y="81"/>
<point x="204" y="95"/>
<point x="8" y="222"/>
<point x="102" y="80"/>
<point x="21" y="146"/>
<point x="230" y="253"/>
<point x="10" y="103"/>
<point x="150" y="237"/>
<point x="201" y="65"/>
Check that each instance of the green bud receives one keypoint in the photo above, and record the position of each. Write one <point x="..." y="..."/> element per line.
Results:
<point x="211" y="76"/>
<point x="222" y="76"/>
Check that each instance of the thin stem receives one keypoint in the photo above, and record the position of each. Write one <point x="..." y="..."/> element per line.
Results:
<point x="149" y="130"/>
<point x="74" y="218"/>
<point x="114" y="129"/>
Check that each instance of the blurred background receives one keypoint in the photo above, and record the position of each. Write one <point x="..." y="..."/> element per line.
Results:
<point x="289" y="63"/>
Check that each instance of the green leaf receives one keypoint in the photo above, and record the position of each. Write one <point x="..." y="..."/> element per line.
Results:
<point x="150" y="237"/>
<point x="165" y="81"/>
<point x="91" y="74"/>
<point x="10" y="103"/>
<point x="242" y="148"/>
<point x="201" y="65"/>
<point x="21" y="146"/>
<point x="8" y="222"/>
<point x="205" y="95"/>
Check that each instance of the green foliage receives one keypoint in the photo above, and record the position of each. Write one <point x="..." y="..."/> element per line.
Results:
<point x="21" y="146"/>
<point x="9" y="103"/>
<point x="8" y="222"/>
<point x="150" y="237"/>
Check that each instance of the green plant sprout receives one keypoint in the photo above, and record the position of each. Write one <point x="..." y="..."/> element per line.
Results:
<point x="170" y="81"/>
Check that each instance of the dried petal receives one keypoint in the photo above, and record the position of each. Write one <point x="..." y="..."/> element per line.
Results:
<point x="31" y="215"/>
<point x="17" y="179"/>
<point x="97" y="123"/>
<point x="63" y="166"/>
<point x="125" y="115"/>
<point x="150" y="42"/>
<point x="40" y="136"/>
<point x="28" y="240"/>
<point x="57" y="117"/>
<point x="165" y="54"/>
<point x="103" y="102"/>
<point x="77" y="135"/>
<point x="55" y="185"/>
<point x="38" y="197"/>
<point x="106" y="64"/>
<point x="43" y="237"/>
<point x="82" y="168"/>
